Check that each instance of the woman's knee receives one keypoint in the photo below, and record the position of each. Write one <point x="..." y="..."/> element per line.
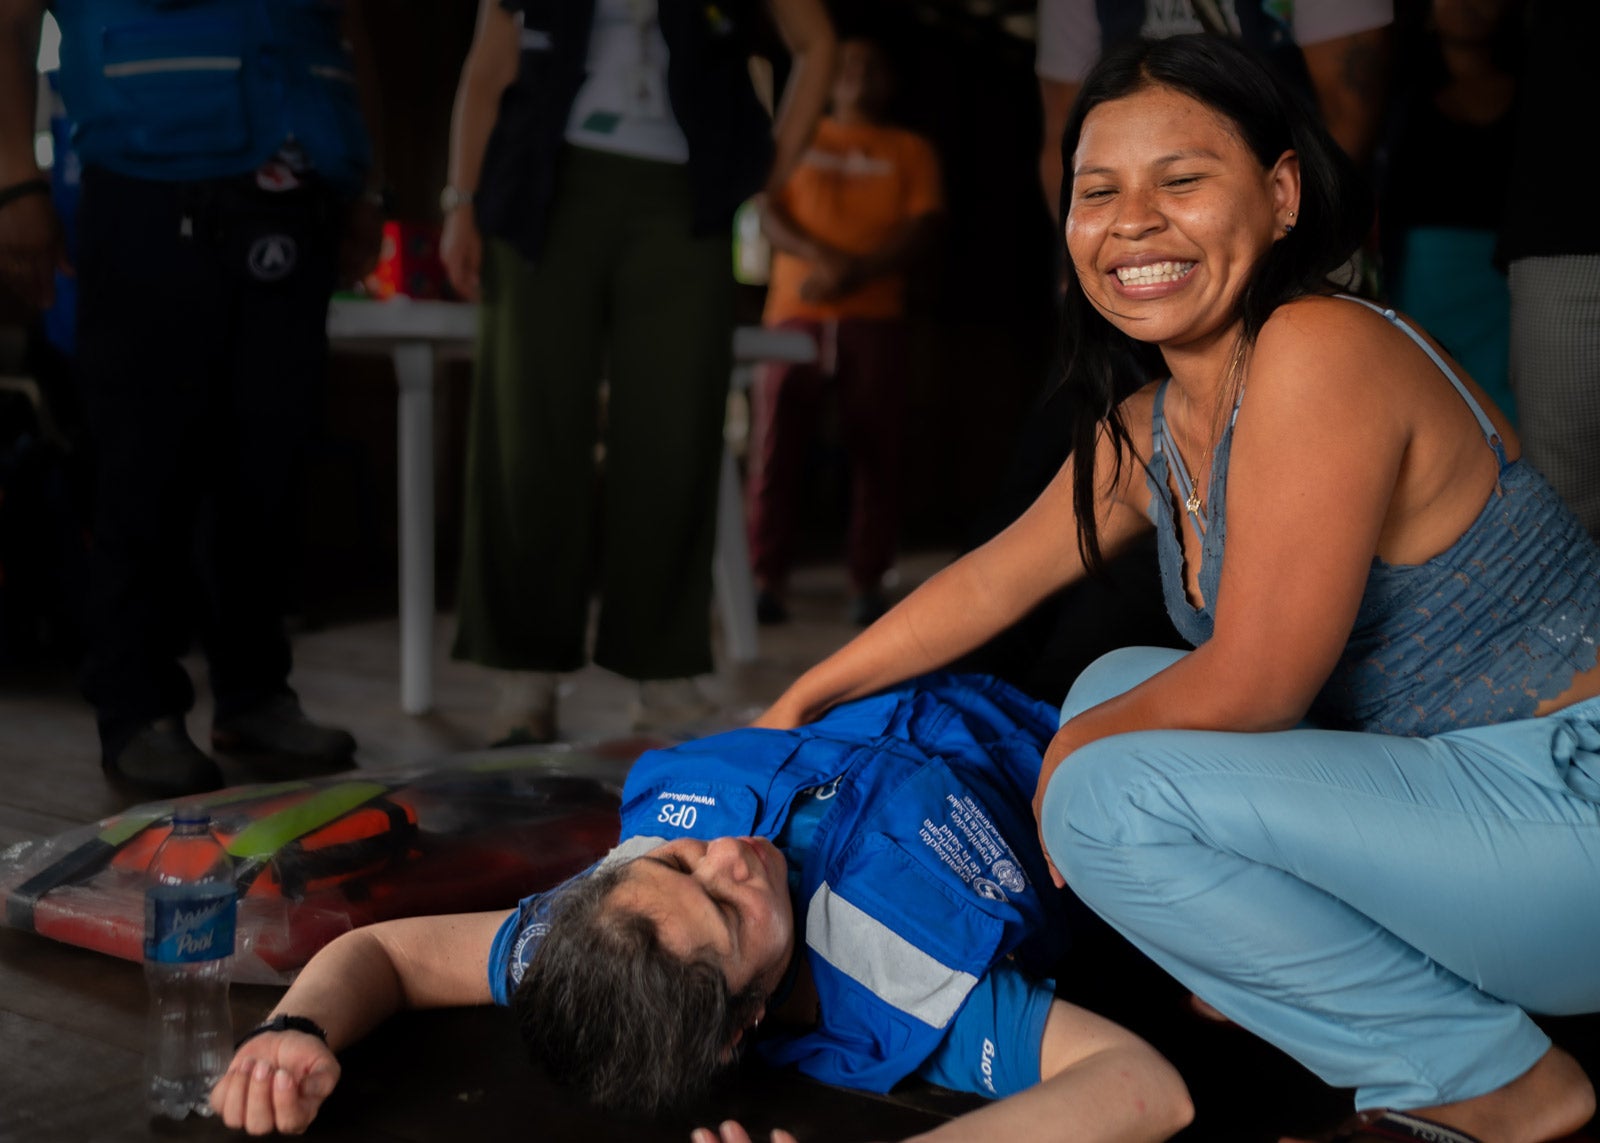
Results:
<point x="1089" y="803"/>
<point x="1115" y="673"/>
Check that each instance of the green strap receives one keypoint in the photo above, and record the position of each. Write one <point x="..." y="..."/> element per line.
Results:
<point x="267" y="836"/>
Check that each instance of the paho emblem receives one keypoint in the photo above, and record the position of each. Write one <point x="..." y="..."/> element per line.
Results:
<point x="986" y="888"/>
<point x="1009" y="876"/>
<point x="272" y="257"/>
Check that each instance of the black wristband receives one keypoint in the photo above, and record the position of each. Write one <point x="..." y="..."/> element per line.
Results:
<point x="10" y="194"/>
<point x="284" y="1024"/>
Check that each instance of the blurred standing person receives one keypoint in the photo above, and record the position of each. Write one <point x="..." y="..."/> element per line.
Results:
<point x="1554" y="258"/>
<point x="1453" y="128"/>
<point x="225" y="159"/>
<point x="856" y="213"/>
<point x="1334" y="50"/>
<point x="598" y="153"/>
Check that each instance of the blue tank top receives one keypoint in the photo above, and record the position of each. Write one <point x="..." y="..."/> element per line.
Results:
<point x="1481" y="633"/>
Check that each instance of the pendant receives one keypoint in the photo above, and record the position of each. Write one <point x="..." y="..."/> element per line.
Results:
<point x="1193" y="504"/>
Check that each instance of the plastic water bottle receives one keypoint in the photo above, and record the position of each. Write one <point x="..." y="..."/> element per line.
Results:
<point x="190" y="908"/>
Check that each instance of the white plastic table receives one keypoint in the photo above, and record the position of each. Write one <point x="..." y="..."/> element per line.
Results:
<point x="415" y="334"/>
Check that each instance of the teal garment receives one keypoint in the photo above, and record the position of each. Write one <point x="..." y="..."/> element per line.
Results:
<point x="1448" y="282"/>
<point x="623" y="294"/>
<point x="1481" y="633"/>
<point x="1385" y="909"/>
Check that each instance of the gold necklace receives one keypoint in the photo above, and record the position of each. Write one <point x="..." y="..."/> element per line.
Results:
<point x="1193" y="503"/>
<point x="1232" y="381"/>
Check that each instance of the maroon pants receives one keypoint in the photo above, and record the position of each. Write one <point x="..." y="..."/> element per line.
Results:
<point x="862" y="363"/>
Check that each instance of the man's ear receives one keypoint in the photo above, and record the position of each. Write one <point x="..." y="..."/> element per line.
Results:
<point x="738" y="1035"/>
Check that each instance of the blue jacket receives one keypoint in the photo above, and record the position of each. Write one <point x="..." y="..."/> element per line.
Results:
<point x="182" y="90"/>
<point x="924" y="873"/>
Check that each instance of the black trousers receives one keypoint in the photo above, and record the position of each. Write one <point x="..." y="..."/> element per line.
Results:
<point x="202" y="353"/>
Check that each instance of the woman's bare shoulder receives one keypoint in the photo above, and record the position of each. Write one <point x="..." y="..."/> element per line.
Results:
<point x="1318" y="316"/>
<point x="1341" y="342"/>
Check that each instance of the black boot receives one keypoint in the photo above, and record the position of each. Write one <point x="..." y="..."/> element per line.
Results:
<point x="160" y="758"/>
<point x="278" y="729"/>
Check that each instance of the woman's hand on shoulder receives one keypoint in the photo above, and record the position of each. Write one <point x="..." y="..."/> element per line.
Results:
<point x="276" y="1083"/>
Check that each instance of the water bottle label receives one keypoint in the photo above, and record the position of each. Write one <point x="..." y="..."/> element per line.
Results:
<point x="185" y="928"/>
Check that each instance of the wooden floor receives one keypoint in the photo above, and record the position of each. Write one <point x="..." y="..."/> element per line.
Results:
<point x="72" y="1022"/>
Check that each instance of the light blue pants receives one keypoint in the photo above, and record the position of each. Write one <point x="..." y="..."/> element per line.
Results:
<point x="1381" y="908"/>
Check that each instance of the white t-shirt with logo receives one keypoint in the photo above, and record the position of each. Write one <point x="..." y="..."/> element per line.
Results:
<point x="622" y="106"/>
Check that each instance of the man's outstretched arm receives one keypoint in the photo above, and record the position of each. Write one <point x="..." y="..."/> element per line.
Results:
<point x="278" y="1080"/>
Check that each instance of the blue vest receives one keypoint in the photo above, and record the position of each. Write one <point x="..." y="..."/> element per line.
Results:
<point x="181" y="90"/>
<point x="923" y="874"/>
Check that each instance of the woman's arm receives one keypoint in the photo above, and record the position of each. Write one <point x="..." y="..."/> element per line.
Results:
<point x="278" y="1080"/>
<point x="490" y="68"/>
<point x="1349" y="76"/>
<point x="808" y="34"/>
<point x="1322" y="442"/>
<point x="969" y="602"/>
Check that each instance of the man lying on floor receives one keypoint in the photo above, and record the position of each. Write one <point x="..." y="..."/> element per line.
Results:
<point x="896" y="834"/>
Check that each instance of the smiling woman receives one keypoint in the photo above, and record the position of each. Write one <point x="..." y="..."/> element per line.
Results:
<point x="1362" y="817"/>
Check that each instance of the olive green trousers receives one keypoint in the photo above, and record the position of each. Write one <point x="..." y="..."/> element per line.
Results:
<point x="624" y="294"/>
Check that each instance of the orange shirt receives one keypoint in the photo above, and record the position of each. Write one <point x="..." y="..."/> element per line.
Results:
<point x="853" y="189"/>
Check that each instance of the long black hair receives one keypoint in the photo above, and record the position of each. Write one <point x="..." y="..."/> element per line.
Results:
<point x="1105" y="365"/>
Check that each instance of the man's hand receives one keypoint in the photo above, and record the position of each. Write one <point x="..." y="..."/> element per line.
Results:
<point x="31" y="250"/>
<point x="277" y="1082"/>
<point x="731" y="1132"/>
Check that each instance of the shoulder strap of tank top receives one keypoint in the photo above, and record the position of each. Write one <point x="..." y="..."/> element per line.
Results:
<point x="1490" y="433"/>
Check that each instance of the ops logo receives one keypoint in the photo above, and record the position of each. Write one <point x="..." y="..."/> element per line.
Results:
<point x="679" y="815"/>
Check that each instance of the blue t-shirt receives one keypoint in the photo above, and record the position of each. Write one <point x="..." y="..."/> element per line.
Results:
<point x="991" y="1048"/>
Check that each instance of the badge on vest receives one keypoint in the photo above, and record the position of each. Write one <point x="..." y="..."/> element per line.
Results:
<point x="272" y="257"/>
<point x="969" y="843"/>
